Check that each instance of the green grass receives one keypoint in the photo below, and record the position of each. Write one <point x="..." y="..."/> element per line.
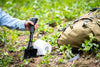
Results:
<point x="49" y="12"/>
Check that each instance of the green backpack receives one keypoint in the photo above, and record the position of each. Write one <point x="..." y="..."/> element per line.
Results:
<point x="80" y="29"/>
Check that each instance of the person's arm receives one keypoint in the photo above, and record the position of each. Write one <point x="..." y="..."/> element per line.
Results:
<point x="10" y="22"/>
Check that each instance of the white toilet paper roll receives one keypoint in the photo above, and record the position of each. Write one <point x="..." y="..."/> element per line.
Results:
<point x="42" y="47"/>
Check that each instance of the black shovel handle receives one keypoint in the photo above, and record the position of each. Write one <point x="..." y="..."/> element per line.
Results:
<point x="32" y="29"/>
<point x="34" y="20"/>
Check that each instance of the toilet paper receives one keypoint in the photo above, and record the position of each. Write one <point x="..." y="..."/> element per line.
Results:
<point x="42" y="47"/>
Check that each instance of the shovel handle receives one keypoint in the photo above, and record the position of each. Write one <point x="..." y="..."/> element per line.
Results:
<point x="32" y="29"/>
<point x="34" y="20"/>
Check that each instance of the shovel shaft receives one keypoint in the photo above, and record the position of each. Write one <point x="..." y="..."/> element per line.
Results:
<point x="32" y="29"/>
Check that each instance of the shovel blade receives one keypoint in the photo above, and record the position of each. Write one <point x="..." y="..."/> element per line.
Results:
<point x="30" y="53"/>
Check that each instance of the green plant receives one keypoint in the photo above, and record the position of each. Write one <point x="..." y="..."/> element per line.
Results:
<point x="26" y="62"/>
<point x="21" y="48"/>
<point x="4" y="36"/>
<point x="46" y="59"/>
<point x="89" y="46"/>
<point x="61" y="60"/>
<point x="66" y="50"/>
<point x="98" y="56"/>
<point x="52" y="15"/>
<point x="5" y="60"/>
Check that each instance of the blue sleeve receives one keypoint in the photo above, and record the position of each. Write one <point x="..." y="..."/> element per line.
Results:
<point x="10" y="22"/>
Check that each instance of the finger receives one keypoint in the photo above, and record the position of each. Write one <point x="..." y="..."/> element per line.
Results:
<point x="30" y="23"/>
<point x="36" y="25"/>
<point x="27" y="28"/>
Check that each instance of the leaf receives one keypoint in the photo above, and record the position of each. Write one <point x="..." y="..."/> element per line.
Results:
<point x="87" y="48"/>
<point x="26" y="62"/>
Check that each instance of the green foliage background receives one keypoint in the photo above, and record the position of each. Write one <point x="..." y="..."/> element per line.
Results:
<point x="58" y="12"/>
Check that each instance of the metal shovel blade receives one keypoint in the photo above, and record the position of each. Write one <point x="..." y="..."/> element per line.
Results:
<point x="29" y="53"/>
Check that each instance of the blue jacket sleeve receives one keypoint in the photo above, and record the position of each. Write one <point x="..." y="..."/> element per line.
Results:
<point x="10" y="22"/>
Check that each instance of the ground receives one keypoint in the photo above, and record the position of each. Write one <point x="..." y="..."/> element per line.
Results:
<point x="91" y="61"/>
<point x="52" y="15"/>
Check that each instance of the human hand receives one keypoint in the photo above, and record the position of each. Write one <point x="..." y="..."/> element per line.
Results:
<point x="28" y="25"/>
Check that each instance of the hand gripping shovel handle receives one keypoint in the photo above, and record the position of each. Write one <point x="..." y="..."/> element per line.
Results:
<point x="32" y="29"/>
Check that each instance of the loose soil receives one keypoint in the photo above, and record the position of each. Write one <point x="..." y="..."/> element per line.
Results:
<point x="36" y="62"/>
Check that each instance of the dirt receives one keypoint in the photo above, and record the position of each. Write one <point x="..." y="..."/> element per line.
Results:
<point x="2" y="44"/>
<point x="54" y="62"/>
<point x="36" y="62"/>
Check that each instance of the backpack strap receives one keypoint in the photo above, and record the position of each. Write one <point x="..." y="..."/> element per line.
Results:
<point x="71" y="25"/>
<point x="81" y="18"/>
<point x="74" y="58"/>
<point x="94" y="9"/>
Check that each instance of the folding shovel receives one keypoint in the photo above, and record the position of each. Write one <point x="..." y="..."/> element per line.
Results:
<point x="30" y="51"/>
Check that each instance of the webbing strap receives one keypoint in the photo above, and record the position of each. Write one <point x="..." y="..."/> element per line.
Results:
<point x="63" y="29"/>
<point x="94" y="9"/>
<point x="82" y="19"/>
